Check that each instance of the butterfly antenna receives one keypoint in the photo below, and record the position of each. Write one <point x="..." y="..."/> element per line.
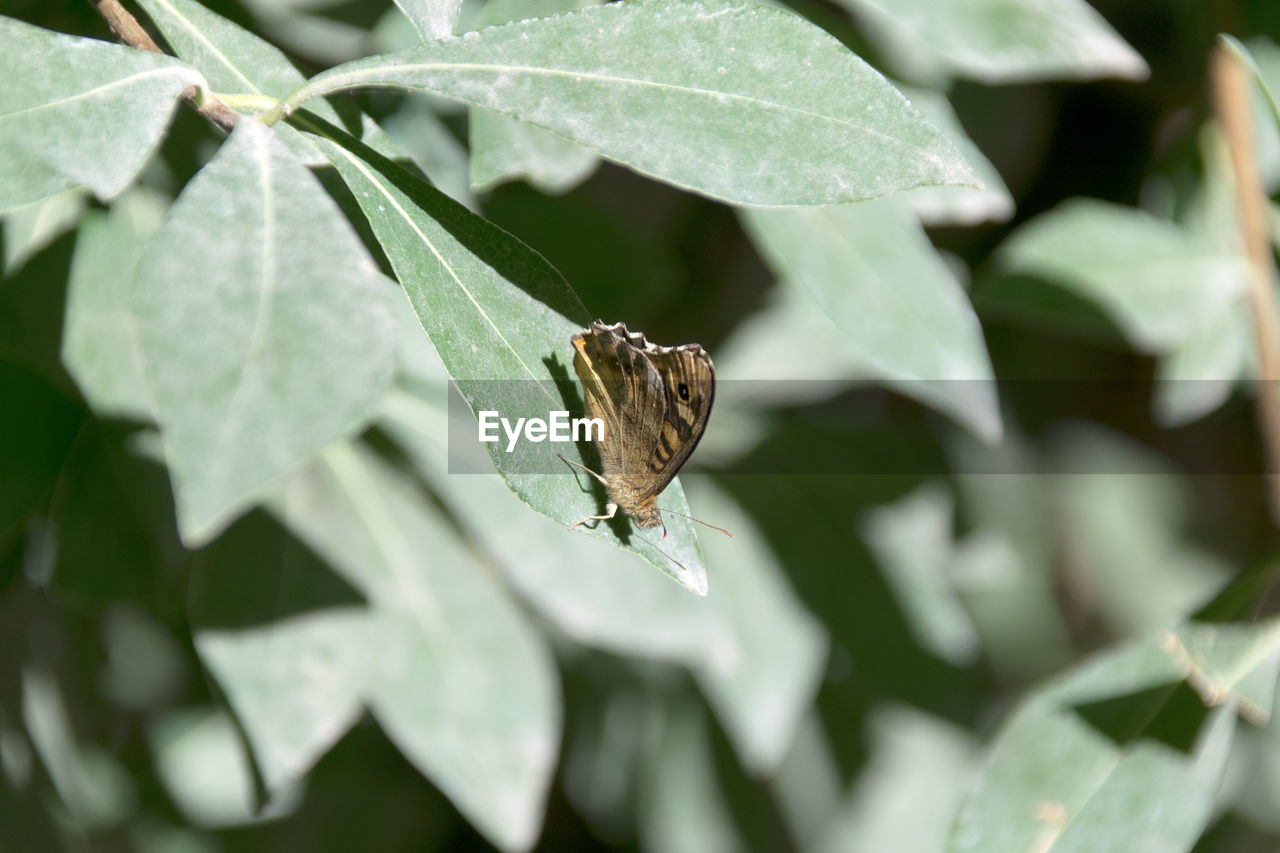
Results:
<point x="691" y="518"/>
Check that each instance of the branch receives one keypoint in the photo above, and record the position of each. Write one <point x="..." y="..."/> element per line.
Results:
<point x="127" y="28"/>
<point x="1231" y="95"/>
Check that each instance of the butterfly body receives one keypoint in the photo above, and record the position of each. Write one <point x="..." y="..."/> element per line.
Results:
<point x="654" y="402"/>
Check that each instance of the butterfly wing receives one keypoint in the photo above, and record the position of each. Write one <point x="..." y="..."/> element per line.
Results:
<point x="688" y="389"/>
<point x="621" y="387"/>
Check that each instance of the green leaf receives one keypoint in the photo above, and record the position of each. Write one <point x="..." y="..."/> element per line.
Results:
<point x="743" y="103"/>
<point x="100" y="345"/>
<point x="504" y="148"/>
<point x="755" y="651"/>
<point x="1156" y="280"/>
<point x="412" y="627"/>
<point x="34" y="446"/>
<point x="264" y="326"/>
<point x="416" y="129"/>
<point x="1198" y="375"/>
<point x="762" y="674"/>
<point x="956" y="205"/>
<point x="235" y="61"/>
<point x="200" y="758"/>
<point x="79" y="112"/>
<point x="913" y="541"/>
<point x="461" y="683"/>
<point x="871" y="268"/>
<point x="907" y="795"/>
<point x="433" y="19"/>
<point x="1007" y="571"/>
<point x="1002" y="41"/>
<point x="1053" y="777"/>
<point x="1123" y="511"/>
<point x="32" y="227"/>
<point x="501" y="318"/>
<point x="286" y="639"/>
<point x="96" y="791"/>
<point x="685" y="810"/>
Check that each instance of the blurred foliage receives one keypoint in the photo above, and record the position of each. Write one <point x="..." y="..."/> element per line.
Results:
<point x="1003" y="568"/>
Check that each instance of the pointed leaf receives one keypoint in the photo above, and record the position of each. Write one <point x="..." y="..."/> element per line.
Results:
<point x="79" y="112"/>
<point x="1004" y="41"/>
<point x="264" y="326"/>
<point x="1156" y="280"/>
<point x="433" y="19"/>
<point x="461" y="683"/>
<point x="504" y="148"/>
<point x="100" y="345"/>
<point x="874" y="272"/>
<point x="740" y="102"/>
<point x="1053" y="778"/>
<point x="501" y="318"/>
<point x="236" y="61"/>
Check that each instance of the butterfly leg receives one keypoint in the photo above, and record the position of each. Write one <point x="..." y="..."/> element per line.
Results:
<point x="584" y="468"/>
<point x="611" y="509"/>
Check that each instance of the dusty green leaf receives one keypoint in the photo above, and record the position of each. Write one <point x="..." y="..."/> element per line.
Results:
<point x="237" y="62"/>
<point x="100" y="346"/>
<point x="744" y="103"/>
<point x="460" y="682"/>
<point x="762" y="676"/>
<point x="1262" y="58"/>
<point x="1052" y="776"/>
<point x="32" y="227"/>
<point x="1199" y="374"/>
<point x="1002" y="41"/>
<point x="871" y="268"/>
<point x="286" y="639"/>
<point x="685" y="810"/>
<point x="501" y="318"/>
<point x="200" y="759"/>
<point x="1123" y="512"/>
<point x="754" y="649"/>
<point x="370" y="599"/>
<point x="1156" y="280"/>
<point x="956" y="205"/>
<point x="79" y="112"/>
<point x="505" y="149"/>
<point x="264" y="327"/>
<point x="906" y="796"/>
<point x="913" y="541"/>
<point x="433" y="19"/>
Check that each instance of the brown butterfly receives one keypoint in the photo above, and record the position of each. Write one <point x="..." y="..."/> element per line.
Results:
<point x="654" y="402"/>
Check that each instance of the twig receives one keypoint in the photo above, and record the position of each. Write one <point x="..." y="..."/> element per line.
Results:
<point x="131" y="33"/>
<point x="1231" y="93"/>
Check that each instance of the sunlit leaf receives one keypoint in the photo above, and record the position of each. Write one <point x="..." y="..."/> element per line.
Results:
<point x="744" y="103"/>
<point x="913" y="541"/>
<point x="290" y="346"/>
<point x="433" y="18"/>
<point x="504" y="148"/>
<point x="1054" y="777"/>
<point x="1004" y="41"/>
<point x="100" y="344"/>
<point x="86" y="113"/>
<point x="1157" y="281"/>
<point x="871" y="268"/>
<point x="501" y="318"/>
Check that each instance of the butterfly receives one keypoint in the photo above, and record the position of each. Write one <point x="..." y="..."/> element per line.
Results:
<point x="654" y="402"/>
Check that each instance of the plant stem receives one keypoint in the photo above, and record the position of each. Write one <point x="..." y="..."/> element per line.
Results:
<point x="130" y="32"/>
<point x="1231" y="94"/>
